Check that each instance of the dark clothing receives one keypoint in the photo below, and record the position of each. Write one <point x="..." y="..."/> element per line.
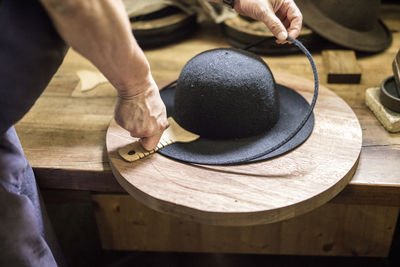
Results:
<point x="25" y="233"/>
<point x="30" y="53"/>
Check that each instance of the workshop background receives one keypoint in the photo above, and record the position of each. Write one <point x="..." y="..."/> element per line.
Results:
<point x="77" y="209"/>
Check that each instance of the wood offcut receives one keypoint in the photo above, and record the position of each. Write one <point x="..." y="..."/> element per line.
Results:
<point x="341" y="66"/>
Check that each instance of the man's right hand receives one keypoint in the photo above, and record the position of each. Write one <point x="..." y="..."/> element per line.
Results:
<point x="143" y="114"/>
<point x="282" y="17"/>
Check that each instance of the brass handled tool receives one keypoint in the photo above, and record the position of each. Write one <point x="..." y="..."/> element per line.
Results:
<point x="173" y="134"/>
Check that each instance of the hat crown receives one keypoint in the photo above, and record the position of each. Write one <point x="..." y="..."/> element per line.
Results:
<point x="226" y="93"/>
<point x="359" y="15"/>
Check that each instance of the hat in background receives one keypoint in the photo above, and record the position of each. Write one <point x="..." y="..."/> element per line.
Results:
<point x="353" y="24"/>
<point x="241" y="31"/>
<point x="159" y="22"/>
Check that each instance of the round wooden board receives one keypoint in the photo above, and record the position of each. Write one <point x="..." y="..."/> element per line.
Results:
<point x="256" y="193"/>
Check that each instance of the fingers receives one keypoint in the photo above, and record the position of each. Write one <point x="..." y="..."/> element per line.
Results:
<point x="275" y="25"/>
<point x="144" y="116"/>
<point x="150" y="143"/>
<point x="295" y="18"/>
<point x="152" y="135"/>
<point x="291" y="18"/>
<point x="282" y="17"/>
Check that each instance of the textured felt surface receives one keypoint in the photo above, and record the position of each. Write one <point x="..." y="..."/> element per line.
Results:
<point x="293" y="108"/>
<point x="226" y="93"/>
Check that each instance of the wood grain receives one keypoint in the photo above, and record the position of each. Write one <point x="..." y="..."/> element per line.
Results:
<point x="341" y="66"/>
<point x="69" y="154"/>
<point x="333" y="229"/>
<point x="72" y="155"/>
<point x="249" y="194"/>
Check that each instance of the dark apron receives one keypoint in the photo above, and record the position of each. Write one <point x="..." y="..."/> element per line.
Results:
<point x="30" y="53"/>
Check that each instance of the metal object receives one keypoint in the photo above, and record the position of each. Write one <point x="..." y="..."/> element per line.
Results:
<point x="396" y="70"/>
<point x="389" y="96"/>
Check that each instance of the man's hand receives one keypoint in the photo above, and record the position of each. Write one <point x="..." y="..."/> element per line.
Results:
<point x="143" y="115"/>
<point x="282" y="17"/>
<point x="100" y="31"/>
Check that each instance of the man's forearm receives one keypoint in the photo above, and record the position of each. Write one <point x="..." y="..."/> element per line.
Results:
<point x="100" y="31"/>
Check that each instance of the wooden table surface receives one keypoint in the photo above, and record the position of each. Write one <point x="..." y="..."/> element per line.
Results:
<point x="64" y="133"/>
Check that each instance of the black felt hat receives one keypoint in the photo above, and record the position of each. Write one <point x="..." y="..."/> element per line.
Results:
<point x="229" y="97"/>
<point x="351" y="23"/>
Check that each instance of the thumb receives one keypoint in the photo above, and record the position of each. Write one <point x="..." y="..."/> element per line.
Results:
<point x="151" y="142"/>
<point x="275" y="25"/>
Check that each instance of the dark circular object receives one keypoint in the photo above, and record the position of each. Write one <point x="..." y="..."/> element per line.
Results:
<point x="227" y="151"/>
<point x="226" y="93"/>
<point x="162" y="31"/>
<point x="389" y="96"/>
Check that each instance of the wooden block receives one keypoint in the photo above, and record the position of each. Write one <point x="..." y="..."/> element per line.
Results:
<point x="389" y="119"/>
<point x="341" y="66"/>
<point x="331" y="230"/>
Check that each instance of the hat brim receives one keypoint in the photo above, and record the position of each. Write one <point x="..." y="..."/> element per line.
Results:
<point x="375" y="40"/>
<point x="293" y="108"/>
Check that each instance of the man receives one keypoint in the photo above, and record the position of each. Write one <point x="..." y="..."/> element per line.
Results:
<point x="33" y="38"/>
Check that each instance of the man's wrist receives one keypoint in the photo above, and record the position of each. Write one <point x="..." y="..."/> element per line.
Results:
<point x="134" y="73"/>
<point x="136" y="87"/>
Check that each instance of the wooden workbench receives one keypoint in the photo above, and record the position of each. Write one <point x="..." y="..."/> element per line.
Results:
<point x="63" y="137"/>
